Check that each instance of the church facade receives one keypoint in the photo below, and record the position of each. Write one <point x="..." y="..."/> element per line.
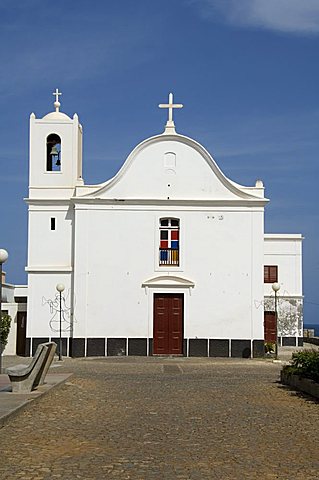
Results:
<point x="169" y="257"/>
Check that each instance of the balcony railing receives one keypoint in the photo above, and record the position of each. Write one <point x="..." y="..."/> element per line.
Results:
<point x="168" y="256"/>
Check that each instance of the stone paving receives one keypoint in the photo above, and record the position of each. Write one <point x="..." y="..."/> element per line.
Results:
<point x="11" y="403"/>
<point x="152" y="418"/>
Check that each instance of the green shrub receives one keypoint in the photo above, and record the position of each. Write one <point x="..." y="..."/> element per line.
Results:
<point x="306" y="364"/>
<point x="270" y="347"/>
<point x="5" y="329"/>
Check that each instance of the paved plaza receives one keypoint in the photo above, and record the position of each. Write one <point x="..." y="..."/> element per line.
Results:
<point x="157" y="418"/>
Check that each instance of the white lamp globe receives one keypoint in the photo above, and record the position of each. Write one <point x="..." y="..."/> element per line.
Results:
<point x="3" y="255"/>
<point x="60" y="287"/>
<point x="275" y="286"/>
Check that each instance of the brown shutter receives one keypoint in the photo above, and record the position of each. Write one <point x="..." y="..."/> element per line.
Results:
<point x="270" y="273"/>
<point x="273" y="274"/>
<point x="266" y="274"/>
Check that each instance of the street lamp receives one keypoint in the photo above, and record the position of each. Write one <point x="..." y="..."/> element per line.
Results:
<point x="276" y="287"/>
<point x="60" y="288"/>
<point x="3" y="258"/>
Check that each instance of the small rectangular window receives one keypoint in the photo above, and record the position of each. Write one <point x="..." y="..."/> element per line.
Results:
<point x="270" y="273"/>
<point x="52" y="223"/>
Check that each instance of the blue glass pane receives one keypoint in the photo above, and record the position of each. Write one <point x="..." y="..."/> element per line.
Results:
<point x="163" y="255"/>
<point x="174" y="244"/>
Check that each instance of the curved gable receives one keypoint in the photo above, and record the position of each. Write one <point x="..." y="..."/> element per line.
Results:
<point x="171" y="167"/>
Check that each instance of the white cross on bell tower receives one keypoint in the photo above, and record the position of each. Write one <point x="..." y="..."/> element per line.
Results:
<point x="170" y="126"/>
<point x="57" y="104"/>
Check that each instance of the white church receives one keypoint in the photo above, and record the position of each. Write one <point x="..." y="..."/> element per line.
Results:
<point x="168" y="257"/>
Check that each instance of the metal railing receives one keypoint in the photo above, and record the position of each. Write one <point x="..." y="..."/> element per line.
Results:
<point x="169" y="256"/>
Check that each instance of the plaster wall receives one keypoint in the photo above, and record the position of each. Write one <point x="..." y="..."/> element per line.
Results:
<point x="117" y="250"/>
<point x="43" y="304"/>
<point x="13" y="309"/>
<point x="50" y="248"/>
<point x="171" y="167"/>
<point x="70" y="133"/>
<point x="285" y="251"/>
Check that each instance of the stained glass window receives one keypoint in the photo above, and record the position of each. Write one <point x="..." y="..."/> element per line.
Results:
<point x="169" y="241"/>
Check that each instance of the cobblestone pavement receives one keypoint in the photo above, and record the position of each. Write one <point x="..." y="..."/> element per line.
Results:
<point x="152" y="418"/>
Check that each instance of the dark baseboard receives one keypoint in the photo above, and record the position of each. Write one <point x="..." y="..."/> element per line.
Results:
<point x="192" y="347"/>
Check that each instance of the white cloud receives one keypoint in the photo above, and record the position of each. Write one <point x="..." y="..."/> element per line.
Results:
<point x="290" y="16"/>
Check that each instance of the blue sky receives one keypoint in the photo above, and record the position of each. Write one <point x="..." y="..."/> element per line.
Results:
<point x="247" y="74"/>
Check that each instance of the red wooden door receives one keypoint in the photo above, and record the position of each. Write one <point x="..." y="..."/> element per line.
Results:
<point x="168" y="324"/>
<point x="270" y="327"/>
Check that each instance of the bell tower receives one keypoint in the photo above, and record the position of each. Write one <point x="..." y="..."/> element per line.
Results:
<point x="55" y="169"/>
<point x="55" y="154"/>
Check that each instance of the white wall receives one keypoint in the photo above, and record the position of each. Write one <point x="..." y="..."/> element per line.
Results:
<point x="172" y="167"/>
<point x="116" y="251"/>
<point x="110" y="248"/>
<point x="50" y="248"/>
<point x="285" y="251"/>
<point x="70" y="133"/>
<point x="43" y="304"/>
<point x="13" y="308"/>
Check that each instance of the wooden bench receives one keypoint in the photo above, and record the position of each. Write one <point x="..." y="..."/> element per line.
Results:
<point x="25" y="378"/>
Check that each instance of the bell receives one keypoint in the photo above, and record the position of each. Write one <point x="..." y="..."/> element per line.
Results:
<point x="54" y="151"/>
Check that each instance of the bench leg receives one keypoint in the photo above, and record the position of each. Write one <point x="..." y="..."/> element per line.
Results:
<point x="21" y="385"/>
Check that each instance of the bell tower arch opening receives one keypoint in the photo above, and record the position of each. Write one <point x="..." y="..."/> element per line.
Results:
<point x="53" y="150"/>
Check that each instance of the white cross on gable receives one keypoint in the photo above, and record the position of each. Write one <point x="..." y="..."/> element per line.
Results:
<point x="57" y="104"/>
<point x="170" y="105"/>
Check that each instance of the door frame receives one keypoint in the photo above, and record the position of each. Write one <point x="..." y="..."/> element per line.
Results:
<point x="182" y="295"/>
<point x="167" y="283"/>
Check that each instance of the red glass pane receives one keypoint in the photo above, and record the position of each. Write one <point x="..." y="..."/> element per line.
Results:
<point x="164" y="244"/>
<point x="175" y="235"/>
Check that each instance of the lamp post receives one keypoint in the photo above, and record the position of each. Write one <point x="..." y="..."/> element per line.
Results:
<point x="3" y="258"/>
<point x="60" y="288"/>
<point x="276" y="287"/>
